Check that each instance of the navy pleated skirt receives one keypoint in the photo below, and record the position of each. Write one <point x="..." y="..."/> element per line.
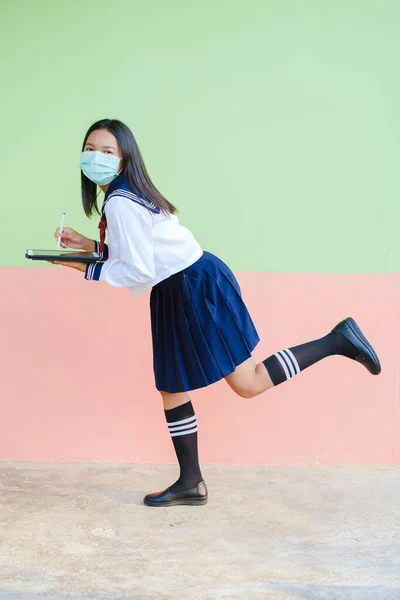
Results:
<point x="201" y="328"/>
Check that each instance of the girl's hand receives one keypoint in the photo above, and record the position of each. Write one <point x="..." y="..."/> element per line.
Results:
<point x="73" y="239"/>
<point x="79" y="266"/>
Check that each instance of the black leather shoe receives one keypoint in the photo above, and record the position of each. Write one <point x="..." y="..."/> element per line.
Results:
<point x="196" y="496"/>
<point x="366" y="354"/>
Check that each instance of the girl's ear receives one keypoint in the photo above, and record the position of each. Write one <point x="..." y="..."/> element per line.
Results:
<point x="121" y="166"/>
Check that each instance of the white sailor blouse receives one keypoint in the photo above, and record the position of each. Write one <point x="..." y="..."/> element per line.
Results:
<point x="144" y="245"/>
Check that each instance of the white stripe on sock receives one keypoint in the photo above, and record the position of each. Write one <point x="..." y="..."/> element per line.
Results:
<point x="286" y="356"/>
<point x="188" y="420"/>
<point x="294" y="359"/>
<point x="186" y="432"/>
<point x="181" y="427"/>
<point x="283" y="364"/>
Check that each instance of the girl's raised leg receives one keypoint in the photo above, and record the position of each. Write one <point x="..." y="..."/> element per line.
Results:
<point x="346" y="339"/>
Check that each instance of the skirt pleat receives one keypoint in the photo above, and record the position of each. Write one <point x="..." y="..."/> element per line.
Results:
<point x="220" y="320"/>
<point x="201" y="328"/>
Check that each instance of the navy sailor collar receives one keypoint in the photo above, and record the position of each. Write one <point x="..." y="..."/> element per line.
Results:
<point x="120" y="187"/>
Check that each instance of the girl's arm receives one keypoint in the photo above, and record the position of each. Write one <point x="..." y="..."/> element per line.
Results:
<point x="72" y="239"/>
<point x="129" y="225"/>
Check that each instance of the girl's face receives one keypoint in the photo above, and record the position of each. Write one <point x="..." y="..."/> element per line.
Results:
<point x="102" y="140"/>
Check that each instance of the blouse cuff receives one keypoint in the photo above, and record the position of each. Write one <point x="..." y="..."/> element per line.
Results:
<point x="104" y="254"/>
<point x="93" y="271"/>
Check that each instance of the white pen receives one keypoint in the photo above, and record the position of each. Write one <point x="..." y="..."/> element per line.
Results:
<point x="61" y="229"/>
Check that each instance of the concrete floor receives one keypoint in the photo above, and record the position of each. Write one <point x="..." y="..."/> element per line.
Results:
<point x="80" y="531"/>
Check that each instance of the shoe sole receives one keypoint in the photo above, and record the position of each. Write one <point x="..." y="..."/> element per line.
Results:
<point x="367" y="346"/>
<point x="182" y="501"/>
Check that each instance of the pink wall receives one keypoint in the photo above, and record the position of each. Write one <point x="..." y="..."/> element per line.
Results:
<point x="77" y="380"/>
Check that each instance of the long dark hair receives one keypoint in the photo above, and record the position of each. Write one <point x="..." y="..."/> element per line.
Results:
<point x="134" y="170"/>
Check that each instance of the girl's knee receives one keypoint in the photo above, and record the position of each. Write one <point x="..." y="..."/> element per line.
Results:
<point x="247" y="394"/>
<point x="244" y="392"/>
<point x="173" y="400"/>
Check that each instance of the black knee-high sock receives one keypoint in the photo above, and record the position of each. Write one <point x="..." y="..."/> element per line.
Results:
<point x="182" y="426"/>
<point x="289" y="362"/>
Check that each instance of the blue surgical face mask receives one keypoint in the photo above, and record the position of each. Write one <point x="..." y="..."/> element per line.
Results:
<point x="99" y="167"/>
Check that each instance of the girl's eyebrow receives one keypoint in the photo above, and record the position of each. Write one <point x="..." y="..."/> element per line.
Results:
<point x="104" y="147"/>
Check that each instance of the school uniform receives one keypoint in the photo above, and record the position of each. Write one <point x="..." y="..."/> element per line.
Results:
<point x="201" y="328"/>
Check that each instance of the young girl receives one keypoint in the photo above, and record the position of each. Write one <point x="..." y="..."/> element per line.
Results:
<point x="201" y="329"/>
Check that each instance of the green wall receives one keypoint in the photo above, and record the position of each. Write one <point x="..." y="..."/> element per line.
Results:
<point x="273" y="125"/>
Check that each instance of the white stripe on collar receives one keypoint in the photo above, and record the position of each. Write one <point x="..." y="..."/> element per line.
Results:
<point x="126" y="194"/>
